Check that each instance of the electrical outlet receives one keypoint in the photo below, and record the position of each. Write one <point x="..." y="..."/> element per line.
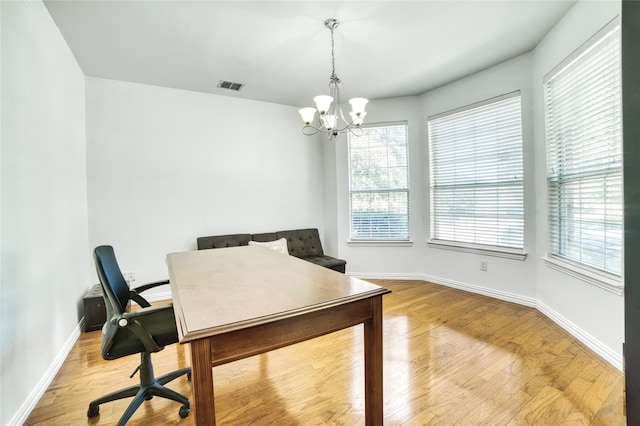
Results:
<point x="483" y="265"/>
<point x="129" y="277"/>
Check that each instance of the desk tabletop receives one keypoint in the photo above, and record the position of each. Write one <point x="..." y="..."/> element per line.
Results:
<point x="220" y="290"/>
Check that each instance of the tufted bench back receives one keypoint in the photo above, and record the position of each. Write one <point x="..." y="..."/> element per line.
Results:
<point x="222" y="241"/>
<point x="263" y="238"/>
<point x="302" y="242"/>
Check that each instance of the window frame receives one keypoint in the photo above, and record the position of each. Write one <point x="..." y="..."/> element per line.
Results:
<point x="574" y="267"/>
<point x="377" y="240"/>
<point x="517" y="253"/>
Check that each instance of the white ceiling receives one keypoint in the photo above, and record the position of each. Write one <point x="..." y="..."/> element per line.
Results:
<point x="281" y="50"/>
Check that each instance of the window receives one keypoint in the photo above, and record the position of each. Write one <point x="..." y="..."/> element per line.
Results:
<point x="379" y="183"/>
<point x="583" y="120"/>
<point x="477" y="196"/>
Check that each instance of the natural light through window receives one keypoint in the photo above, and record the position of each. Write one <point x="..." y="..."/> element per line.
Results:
<point x="583" y="119"/>
<point x="379" y="183"/>
<point x="476" y="186"/>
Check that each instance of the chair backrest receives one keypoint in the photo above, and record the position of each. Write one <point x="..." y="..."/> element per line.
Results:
<point x="114" y="285"/>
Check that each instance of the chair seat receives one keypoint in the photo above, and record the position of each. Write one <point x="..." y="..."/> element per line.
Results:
<point x="160" y="324"/>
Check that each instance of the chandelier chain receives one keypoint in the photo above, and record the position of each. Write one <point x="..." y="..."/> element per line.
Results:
<point x="333" y="57"/>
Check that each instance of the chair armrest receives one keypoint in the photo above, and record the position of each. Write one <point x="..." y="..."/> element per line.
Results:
<point x="134" y="294"/>
<point x="147" y="286"/>
<point x="130" y="321"/>
<point x="143" y="312"/>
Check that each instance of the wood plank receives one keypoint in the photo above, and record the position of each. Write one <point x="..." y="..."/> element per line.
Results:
<point x="222" y="290"/>
<point x="203" y="406"/>
<point x="238" y="344"/>
<point x="373" y="400"/>
<point x="428" y="376"/>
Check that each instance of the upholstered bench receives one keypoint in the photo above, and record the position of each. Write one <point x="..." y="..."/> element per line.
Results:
<point x="302" y="243"/>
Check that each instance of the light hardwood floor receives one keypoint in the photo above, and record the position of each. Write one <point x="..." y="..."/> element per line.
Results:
<point x="450" y="358"/>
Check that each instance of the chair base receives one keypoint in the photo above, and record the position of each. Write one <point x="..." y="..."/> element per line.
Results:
<point x="148" y="388"/>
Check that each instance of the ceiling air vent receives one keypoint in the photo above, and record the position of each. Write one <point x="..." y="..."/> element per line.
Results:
<point x="230" y="85"/>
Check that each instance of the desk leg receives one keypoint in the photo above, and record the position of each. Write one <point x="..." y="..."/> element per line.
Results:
<point x="202" y="382"/>
<point x="373" y="401"/>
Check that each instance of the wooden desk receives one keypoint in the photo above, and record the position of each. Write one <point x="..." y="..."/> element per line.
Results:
<point x="238" y="302"/>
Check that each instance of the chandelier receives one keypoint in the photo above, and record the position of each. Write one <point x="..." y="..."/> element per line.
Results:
<point x="331" y="119"/>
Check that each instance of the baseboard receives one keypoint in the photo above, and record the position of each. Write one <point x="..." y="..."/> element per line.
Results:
<point x="29" y="404"/>
<point x="595" y="345"/>
<point x="496" y="294"/>
<point x="158" y="297"/>
<point x="39" y="390"/>
<point x="612" y="357"/>
<point x="384" y="276"/>
<point x="473" y="288"/>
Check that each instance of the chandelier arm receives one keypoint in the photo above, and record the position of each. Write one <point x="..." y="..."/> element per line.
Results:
<point x="356" y="131"/>
<point x="310" y="130"/>
<point x="350" y="127"/>
<point x="334" y="86"/>
<point x="339" y="106"/>
<point x="343" y="119"/>
<point x="343" y="129"/>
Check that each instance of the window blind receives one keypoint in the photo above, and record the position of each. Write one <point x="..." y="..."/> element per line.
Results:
<point x="379" y="183"/>
<point x="583" y="118"/>
<point x="476" y="174"/>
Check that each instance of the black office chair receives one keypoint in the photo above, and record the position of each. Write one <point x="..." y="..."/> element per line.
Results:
<point x="143" y="331"/>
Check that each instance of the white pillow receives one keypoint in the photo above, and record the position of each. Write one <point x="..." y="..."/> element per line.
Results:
<point x="277" y="245"/>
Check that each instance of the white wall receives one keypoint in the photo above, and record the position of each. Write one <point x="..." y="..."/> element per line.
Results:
<point x="512" y="277"/>
<point x="509" y="279"/>
<point x="596" y="313"/>
<point x="43" y="229"/>
<point x="166" y="166"/>
<point x="592" y="314"/>
<point x="384" y="260"/>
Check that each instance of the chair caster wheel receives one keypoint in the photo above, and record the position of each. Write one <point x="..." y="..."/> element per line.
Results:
<point x="93" y="410"/>
<point x="189" y="376"/>
<point x="148" y="398"/>
<point x="184" y="411"/>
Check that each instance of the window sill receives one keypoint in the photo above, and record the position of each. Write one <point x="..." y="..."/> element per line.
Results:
<point x="484" y="250"/>
<point x="380" y="243"/>
<point x="592" y="277"/>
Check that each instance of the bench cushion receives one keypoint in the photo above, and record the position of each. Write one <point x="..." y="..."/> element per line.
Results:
<point x="328" y="262"/>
